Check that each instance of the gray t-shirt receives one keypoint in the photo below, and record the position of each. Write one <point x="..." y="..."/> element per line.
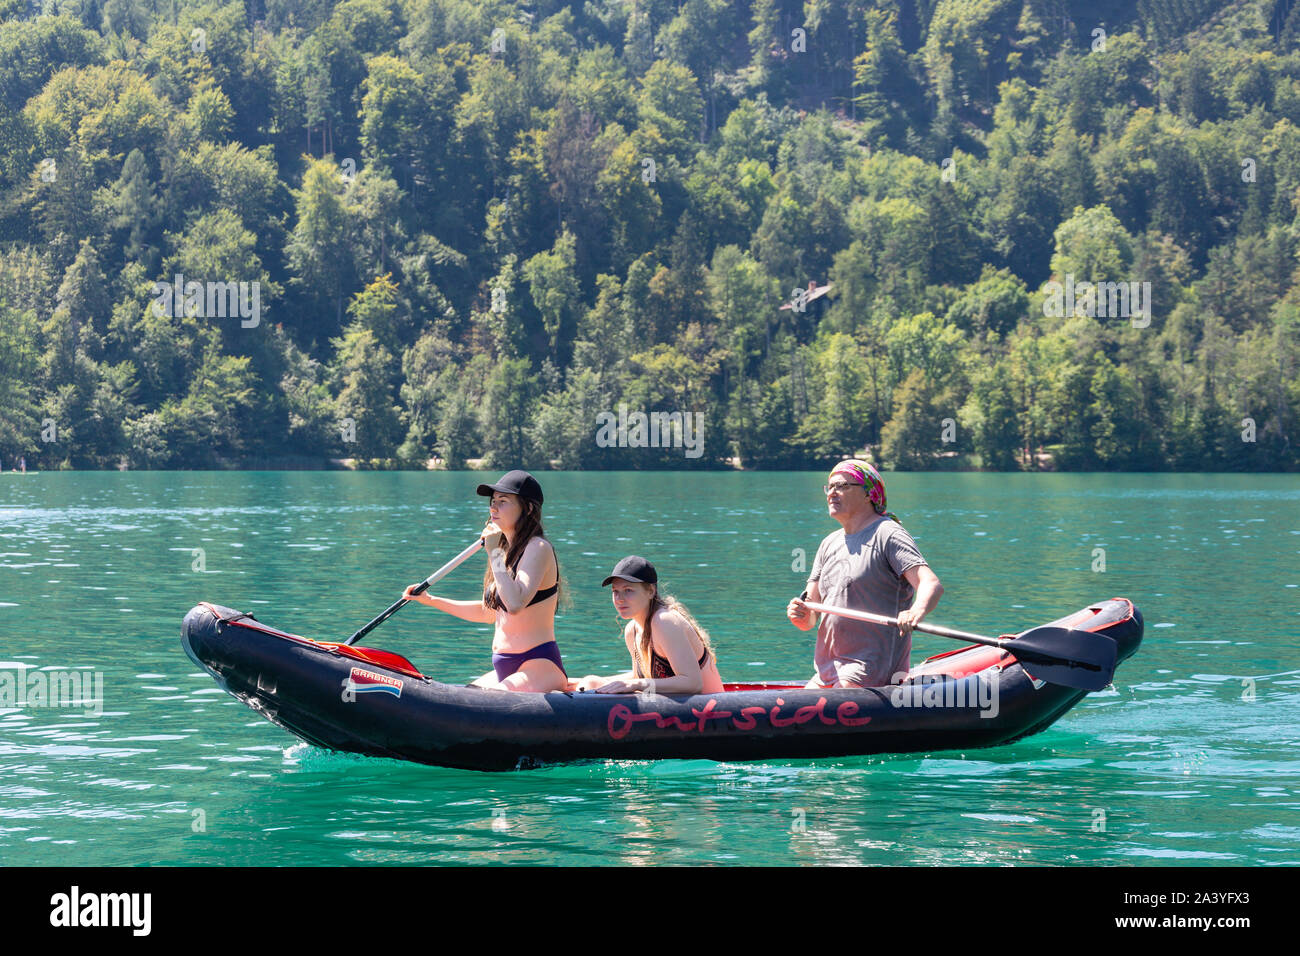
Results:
<point x="864" y="571"/>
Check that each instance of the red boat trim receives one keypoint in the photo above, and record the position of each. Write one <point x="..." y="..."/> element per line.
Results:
<point x="980" y="657"/>
<point x="371" y="655"/>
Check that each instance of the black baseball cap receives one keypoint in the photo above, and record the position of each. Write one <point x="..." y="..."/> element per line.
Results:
<point x="516" y="482"/>
<point x="633" y="568"/>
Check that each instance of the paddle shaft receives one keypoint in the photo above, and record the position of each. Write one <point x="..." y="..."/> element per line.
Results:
<point x="928" y="628"/>
<point x="1060" y="655"/>
<point x="418" y="589"/>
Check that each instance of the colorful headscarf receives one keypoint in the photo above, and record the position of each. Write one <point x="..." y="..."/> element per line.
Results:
<point x="862" y="473"/>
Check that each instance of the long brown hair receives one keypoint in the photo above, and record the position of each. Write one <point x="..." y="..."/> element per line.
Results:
<point x="529" y="527"/>
<point x="645" y="643"/>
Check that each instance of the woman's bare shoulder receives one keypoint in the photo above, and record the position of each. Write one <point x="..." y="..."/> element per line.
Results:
<point x="538" y="545"/>
<point x="539" y="555"/>
<point x="670" y="619"/>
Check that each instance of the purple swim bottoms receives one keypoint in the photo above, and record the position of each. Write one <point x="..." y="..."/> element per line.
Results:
<point x="507" y="664"/>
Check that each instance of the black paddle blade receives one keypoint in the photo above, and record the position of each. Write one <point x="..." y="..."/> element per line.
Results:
<point x="1067" y="657"/>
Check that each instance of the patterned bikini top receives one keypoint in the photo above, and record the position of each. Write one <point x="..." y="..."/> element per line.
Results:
<point x="660" y="669"/>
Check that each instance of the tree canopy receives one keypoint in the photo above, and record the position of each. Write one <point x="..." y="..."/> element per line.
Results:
<point x="397" y="230"/>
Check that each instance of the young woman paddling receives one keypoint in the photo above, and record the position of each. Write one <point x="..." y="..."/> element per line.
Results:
<point x="520" y="590"/>
<point x="670" y="652"/>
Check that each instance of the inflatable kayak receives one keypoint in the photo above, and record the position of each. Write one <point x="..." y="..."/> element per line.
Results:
<point x="370" y="701"/>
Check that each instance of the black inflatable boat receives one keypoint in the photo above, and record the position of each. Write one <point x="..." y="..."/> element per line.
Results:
<point x="375" y="702"/>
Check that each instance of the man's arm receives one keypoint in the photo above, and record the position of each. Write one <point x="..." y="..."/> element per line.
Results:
<point x="928" y="591"/>
<point x="798" y="612"/>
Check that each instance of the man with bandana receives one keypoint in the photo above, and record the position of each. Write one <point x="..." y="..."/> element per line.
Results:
<point x="873" y="565"/>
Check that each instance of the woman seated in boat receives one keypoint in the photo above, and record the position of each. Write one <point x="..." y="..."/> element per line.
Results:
<point x="671" y="653"/>
<point x="520" y="590"/>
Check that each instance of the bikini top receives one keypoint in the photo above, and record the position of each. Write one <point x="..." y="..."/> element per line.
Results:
<point x="660" y="669"/>
<point x="541" y="595"/>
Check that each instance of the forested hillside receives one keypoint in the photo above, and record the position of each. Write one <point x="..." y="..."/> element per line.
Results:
<point x="281" y="231"/>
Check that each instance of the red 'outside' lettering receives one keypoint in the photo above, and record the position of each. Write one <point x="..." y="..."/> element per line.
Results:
<point x="779" y="722"/>
<point x="844" y="714"/>
<point x="619" y="712"/>
<point x="708" y="713"/>
<point x="621" y="718"/>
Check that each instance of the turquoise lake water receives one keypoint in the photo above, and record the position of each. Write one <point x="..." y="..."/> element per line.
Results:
<point x="1191" y="758"/>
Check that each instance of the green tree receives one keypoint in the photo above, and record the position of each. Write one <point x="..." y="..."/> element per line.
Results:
<point x="989" y="415"/>
<point x="20" y="425"/>
<point x="966" y="48"/>
<point x="312" y="424"/>
<point x="101" y="111"/>
<point x="744" y="299"/>
<point x="131" y="206"/>
<point x="890" y="99"/>
<point x="629" y="200"/>
<point x="555" y="291"/>
<point x="364" y="371"/>
<point x="507" y="412"/>
<point x="914" y="436"/>
<point x="459" y="434"/>
<point x="320" y="248"/>
<point x="374" y="308"/>
<point x="670" y="100"/>
<point x="838" y="416"/>
<point x="427" y="371"/>
<point x="564" y="427"/>
<point x="406" y="120"/>
<point x="924" y="343"/>
<point x="210" y="112"/>
<point x="701" y="37"/>
<point x="996" y="304"/>
<point x="1093" y="246"/>
<point x="32" y="51"/>
<point x="64" y="205"/>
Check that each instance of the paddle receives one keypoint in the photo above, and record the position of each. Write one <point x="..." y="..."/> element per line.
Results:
<point x="1059" y="655"/>
<point x="418" y="589"/>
